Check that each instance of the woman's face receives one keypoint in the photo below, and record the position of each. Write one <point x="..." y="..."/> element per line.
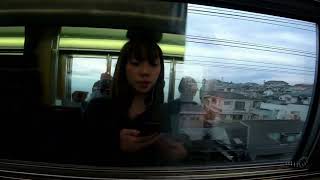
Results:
<point x="142" y="75"/>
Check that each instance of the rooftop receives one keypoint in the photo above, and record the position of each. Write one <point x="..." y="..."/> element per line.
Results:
<point x="227" y="95"/>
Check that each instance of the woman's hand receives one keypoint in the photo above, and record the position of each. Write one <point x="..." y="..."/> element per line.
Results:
<point x="171" y="150"/>
<point x="130" y="141"/>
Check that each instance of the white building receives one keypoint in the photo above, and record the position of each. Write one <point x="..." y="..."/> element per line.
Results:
<point x="288" y="99"/>
<point x="286" y="112"/>
<point x="268" y="92"/>
<point x="233" y="106"/>
<point x="306" y="100"/>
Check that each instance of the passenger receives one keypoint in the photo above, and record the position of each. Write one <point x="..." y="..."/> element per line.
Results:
<point x="78" y="99"/>
<point x="188" y="89"/>
<point x="185" y="104"/>
<point x="125" y="129"/>
<point x="191" y="121"/>
<point x="102" y="88"/>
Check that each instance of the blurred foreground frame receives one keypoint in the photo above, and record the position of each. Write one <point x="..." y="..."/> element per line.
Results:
<point x="166" y="17"/>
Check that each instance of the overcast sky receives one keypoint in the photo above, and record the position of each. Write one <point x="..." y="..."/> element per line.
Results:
<point x="249" y="65"/>
<point x="210" y="57"/>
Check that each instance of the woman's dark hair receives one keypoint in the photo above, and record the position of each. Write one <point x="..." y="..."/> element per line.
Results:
<point x="140" y="46"/>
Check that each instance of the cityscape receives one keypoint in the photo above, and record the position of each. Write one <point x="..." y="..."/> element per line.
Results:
<point x="273" y="100"/>
<point x="263" y="121"/>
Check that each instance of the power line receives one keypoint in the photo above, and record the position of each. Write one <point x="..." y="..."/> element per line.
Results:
<point x="251" y="65"/>
<point x="250" y="68"/>
<point x="252" y="14"/>
<point x="239" y="68"/>
<point x="250" y="17"/>
<point x="240" y="60"/>
<point x="251" y="48"/>
<point x="203" y="61"/>
<point x="248" y="44"/>
<point x="217" y="15"/>
<point x="240" y="16"/>
<point x="256" y="46"/>
<point x="200" y="82"/>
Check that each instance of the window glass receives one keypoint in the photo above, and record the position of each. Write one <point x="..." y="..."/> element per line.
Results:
<point x="226" y="103"/>
<point x="85" y="73"/>
<point x="166" y="79"/>
<point x="84" y="76"/>
<point x="253" y="77"/>
<point x="262" y="64"/>
<point x="238" y="89"/>
<point x="239" y="105"/>
<point x="114" y="63"/>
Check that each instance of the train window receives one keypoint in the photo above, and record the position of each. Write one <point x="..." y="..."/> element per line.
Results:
<point x="12" y="63"/>
<point x="87" y="72"/>
<point x="236" y="87"/>
<point x="85" y="78"/>
<point x="250" y="76"/>
<point x="240" y="92"/>
<point x="11" y="38"/>
<point x="237" y="60"/>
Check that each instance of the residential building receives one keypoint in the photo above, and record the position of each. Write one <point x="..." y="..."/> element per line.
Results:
<point x="233" y="106"/>
<point x="269" y="111"/>
<point x="289" y="99"/>
<point x="268" y="92"/>
<point x="275" y="84"/>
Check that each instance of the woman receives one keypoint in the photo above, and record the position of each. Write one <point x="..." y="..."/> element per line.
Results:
<point x="130" y="122"/>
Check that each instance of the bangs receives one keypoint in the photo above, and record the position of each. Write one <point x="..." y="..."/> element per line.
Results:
<point x="144" y="51"/>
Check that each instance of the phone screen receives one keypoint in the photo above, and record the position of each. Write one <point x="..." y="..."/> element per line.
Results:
<point x="150" y="128"/>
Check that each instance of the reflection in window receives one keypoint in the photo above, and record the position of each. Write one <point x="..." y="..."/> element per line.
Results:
<point x="285" y="138"/>
<point x="227" y="103"/>
<point x="89" y="72"/>
<point x="242" y="85"/>
<point x="237" y="117"/>
<point x="254" y="82"/>
<point x="86" y="72"/>
<point x="239" y="105"/>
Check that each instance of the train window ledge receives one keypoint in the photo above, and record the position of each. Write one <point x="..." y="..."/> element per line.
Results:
<point x="50" y="170"/>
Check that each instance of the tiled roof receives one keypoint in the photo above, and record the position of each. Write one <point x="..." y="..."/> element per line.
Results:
<point x="226" y="95"/>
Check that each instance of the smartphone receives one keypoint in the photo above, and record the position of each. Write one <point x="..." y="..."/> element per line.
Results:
<point x="150" y="128"/>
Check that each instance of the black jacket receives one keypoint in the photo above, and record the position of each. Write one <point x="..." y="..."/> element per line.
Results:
<point x="103" y="121"/>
